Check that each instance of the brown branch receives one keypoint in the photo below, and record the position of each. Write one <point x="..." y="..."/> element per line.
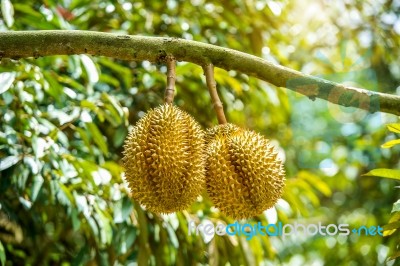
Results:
<point x="21" y="44"/>
<point x="171" y="76"/>
<point x="212" y="88"/>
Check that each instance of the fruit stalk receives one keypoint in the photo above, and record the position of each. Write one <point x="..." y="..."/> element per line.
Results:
<point x="171" y="76"/>
<point x="212" y="88"/>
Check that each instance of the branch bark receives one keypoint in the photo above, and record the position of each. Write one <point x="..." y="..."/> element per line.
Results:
<point x="22" y="44"/>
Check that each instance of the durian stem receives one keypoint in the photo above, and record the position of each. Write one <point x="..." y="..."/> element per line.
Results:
<point x="212" y="88"/>
<point x="171" y="76"/>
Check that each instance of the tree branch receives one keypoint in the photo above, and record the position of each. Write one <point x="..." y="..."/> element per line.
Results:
<point x="20" y="44"/>
<point x="212" y="89"/>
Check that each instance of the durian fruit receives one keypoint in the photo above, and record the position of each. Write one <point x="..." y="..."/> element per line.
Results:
<point x="164" y="161"/>
<point x="244" y="177"/>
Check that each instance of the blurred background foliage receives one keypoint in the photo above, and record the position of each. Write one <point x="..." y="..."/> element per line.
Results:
<point x="63" y="120"/>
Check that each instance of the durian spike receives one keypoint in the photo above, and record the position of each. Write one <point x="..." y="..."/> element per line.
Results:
<point x="212" y="88"/>
<point x="171" y="76"/>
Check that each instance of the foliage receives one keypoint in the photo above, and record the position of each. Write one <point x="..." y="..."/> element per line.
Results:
<point x="391" y="229"/>
<point x="64" y="120"/>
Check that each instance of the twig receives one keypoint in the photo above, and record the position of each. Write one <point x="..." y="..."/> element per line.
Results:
<point x="171" y="76"/>
<point x="212" y="88"/>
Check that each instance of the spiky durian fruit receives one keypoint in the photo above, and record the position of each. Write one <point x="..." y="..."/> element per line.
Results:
<point x="163" y="159"/>
<point x="244" y="177"/>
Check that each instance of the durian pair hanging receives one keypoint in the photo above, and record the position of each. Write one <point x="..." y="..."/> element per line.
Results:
<point x="169" y="160"/>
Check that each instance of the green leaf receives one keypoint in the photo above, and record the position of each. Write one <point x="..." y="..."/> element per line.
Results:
<point x="67" y="193"/>
<point x="6" y="80"/>
<point x="395" y="217"/>
<point x="76" y="223"/>
<point x="87" y="104"/>
<point x="382" y="172"/>
<point x="111" y="116"/>
<point x="294" y="202"/>
<point x="98" y="137"/>
<point x="2" y="254"/>
<point x="36" y="186"/>
<point x="81" y="204"/>
<point x="122" y="210"/>
<point x="33" y="164"/>
<point x="391" y="226"/>
<point x="113" y="107"/>
<point x="28" y="11"/>
<point x="53" y="87"/>
<point x="8" y="162"/>
<point x="394" y="127"/>
<point x="114" y="168"/>
<point x="307" y="191"/>
<point x="109" y="80"/>
<point x="84" y="136"/>
<point x="130" y="236"/>
<point x="26" y="203"/>
<point x="8" y="12"/>
<point x="396" y="206"/>
<point x="86" y="168"/>
<point x="90" y="67"/>
<point x="104" y="226"/>
<point x="391" y="143"/>
<point x="72" y="83"/>
<point x="172" y="236"/>
<point x="119" y="136"/>
<point x="316" y="182"/>
<point x="124" y="73"/>
<point x="93" y="225"/>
